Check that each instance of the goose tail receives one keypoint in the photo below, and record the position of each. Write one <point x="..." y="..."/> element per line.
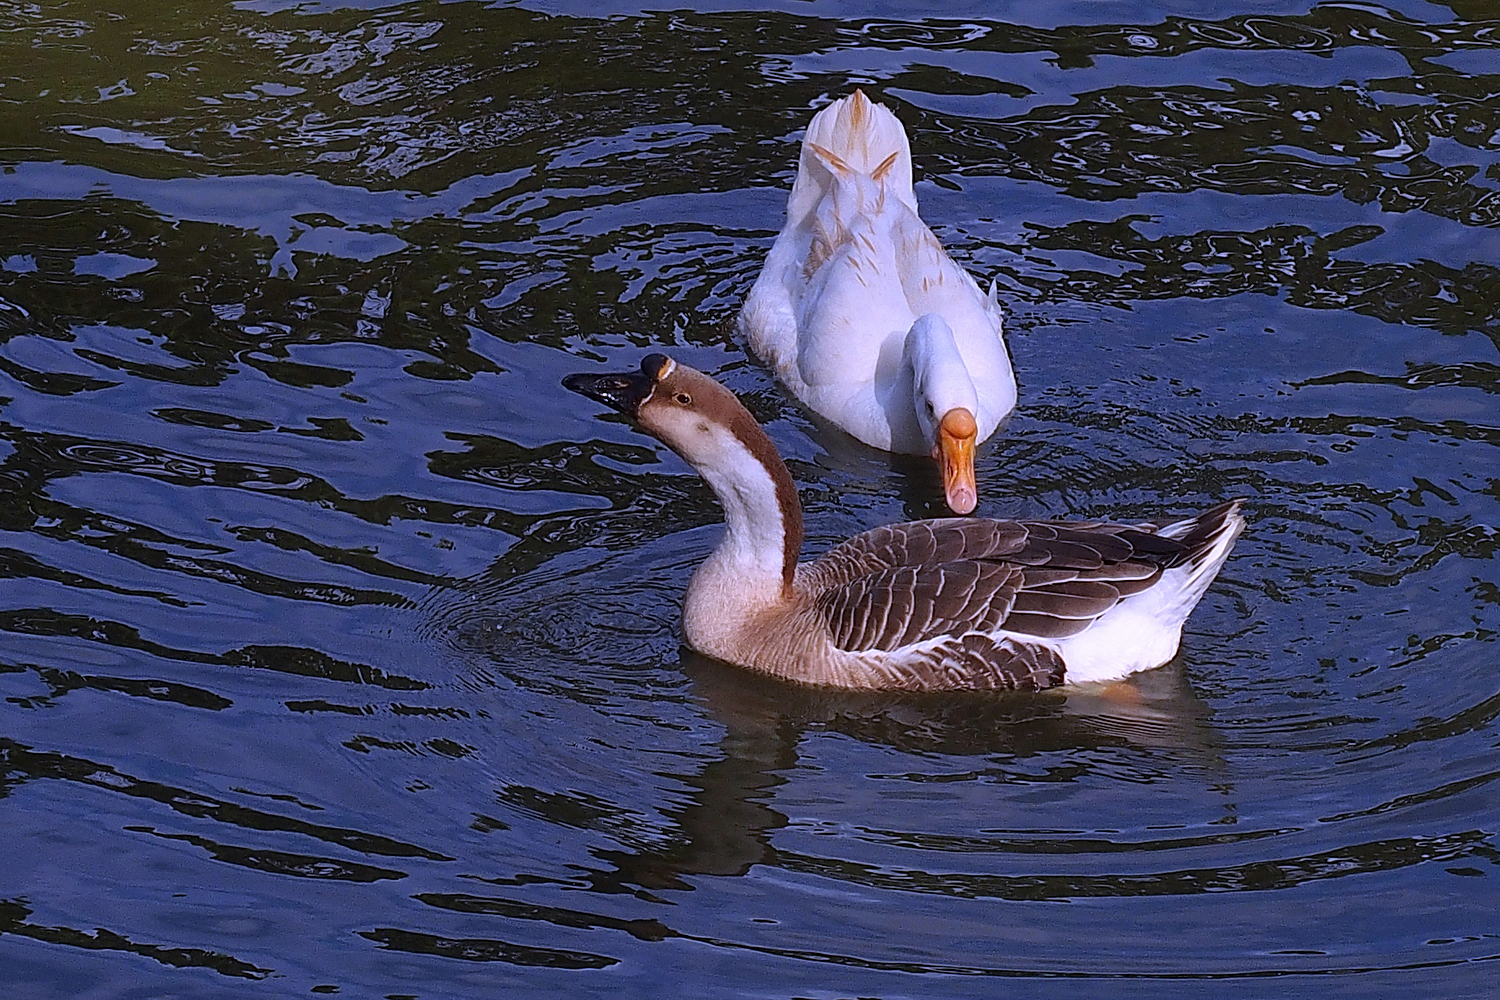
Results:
<point x="1207" y="536"/>
<point x="853" y="145"/>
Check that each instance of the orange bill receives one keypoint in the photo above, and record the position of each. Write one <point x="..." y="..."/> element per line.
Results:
<point x="957" y="436"/>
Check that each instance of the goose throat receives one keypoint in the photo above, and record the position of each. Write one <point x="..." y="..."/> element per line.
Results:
<point x="761" y="509"/>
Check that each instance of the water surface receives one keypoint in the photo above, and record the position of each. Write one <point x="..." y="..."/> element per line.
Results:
<point x="337" y="641"/>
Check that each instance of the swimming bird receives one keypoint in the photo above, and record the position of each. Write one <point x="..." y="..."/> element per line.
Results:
<point x="943" y="604"/>
<point x="862" y="314"/>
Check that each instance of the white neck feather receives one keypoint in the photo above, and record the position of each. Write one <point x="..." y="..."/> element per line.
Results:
<point x="753" y="569"/>
<point x="746" y="575"/>
<point x="755" y="542"/>
<point x="938" y="373"/>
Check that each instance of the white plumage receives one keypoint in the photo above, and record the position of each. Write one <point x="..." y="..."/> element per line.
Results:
<point x="865" y="318"/>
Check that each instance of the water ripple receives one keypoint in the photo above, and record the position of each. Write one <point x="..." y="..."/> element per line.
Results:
<point x="324" y="605"/>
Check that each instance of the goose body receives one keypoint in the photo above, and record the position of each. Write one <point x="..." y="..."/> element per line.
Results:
<point x="942" y="604"/>
<point x="865" y="318"/>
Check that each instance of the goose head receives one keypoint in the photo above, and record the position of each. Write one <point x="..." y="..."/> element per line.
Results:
<point x="711" y="430"/>
<point x="946" y="404"/>
<point x="691" y="413"/>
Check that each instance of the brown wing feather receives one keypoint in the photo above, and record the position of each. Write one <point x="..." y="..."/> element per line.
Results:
<point x="1075" y="573"/>
<point x="919" y="543"/>
<point x="906" y="583"/>
<point x="947" y="587"/>
<point x="895" y="607"/>
<point x="978" y="662"/>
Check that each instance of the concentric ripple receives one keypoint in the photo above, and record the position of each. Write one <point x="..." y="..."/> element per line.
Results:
<point x="338" y="643"/>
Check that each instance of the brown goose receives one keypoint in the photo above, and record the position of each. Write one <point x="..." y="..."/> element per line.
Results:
<point x="926" y="605"/>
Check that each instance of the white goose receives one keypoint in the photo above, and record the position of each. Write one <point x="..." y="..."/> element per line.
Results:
<point x="865" y="318"/>
<point x="926" y="605"/>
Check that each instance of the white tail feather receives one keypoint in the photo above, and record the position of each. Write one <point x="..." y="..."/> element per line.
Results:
<point x="1144" y="630"/>
<point x="1203" y="569"/>
<point x="854" y="142"/>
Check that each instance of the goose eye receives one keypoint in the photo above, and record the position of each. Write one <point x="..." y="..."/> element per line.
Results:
<point x="684" y="399"/>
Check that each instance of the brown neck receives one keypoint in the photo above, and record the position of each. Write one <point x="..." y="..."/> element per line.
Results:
<point x="758" y="444"/>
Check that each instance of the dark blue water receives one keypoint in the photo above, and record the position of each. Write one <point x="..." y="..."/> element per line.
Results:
<point x="337" y="641"/>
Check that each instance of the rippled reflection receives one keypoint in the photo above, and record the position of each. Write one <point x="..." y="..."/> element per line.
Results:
<point x="338" y="644"/>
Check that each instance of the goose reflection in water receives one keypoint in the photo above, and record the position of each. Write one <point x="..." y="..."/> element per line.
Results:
<point x="727" y="825"/>
<point x="525" y="613"/>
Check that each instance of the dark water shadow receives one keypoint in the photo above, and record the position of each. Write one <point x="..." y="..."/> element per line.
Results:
<point x="725" y="827"/>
